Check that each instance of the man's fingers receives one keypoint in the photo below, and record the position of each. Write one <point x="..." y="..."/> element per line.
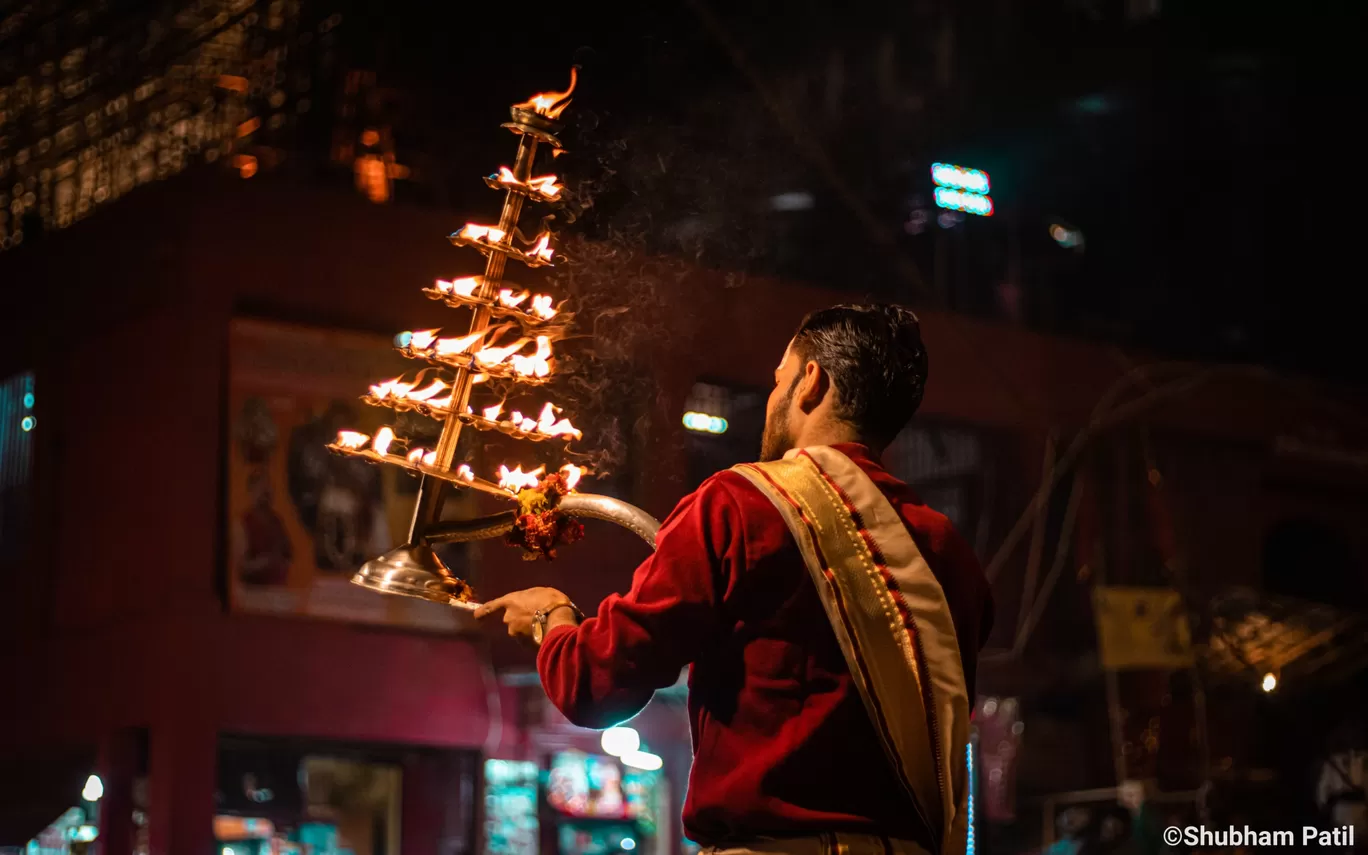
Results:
<point x="491" y="607"/>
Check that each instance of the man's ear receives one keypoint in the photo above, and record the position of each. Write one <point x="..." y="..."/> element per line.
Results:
<point x="812" y="386"/>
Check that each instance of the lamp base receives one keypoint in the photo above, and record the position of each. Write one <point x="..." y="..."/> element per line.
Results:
<point x="413" y="571"/>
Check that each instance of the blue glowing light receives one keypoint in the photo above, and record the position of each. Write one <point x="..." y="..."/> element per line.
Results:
<point x="969" y="815"/>
<point x="959" y="177"/>
<point x="28" y="400"/>
<point x="28" y="423"/>
<point x="958" y="200"/>
<point x="628" y="844"/>
<point x="403" y="339"/>
<point x="704" y="423"/>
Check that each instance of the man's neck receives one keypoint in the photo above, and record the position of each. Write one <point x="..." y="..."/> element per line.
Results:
<point x="827" y="433"/>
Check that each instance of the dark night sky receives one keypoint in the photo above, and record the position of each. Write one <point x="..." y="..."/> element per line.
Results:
<point x="1206" y="155"/>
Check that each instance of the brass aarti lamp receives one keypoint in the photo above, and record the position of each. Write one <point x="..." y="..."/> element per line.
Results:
<point x="509" y="338"/>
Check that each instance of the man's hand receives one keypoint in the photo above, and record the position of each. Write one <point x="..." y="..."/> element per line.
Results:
<point x="519" y="606"/>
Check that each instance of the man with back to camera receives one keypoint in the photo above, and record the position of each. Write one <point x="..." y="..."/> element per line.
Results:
<point x="831" y="621"/>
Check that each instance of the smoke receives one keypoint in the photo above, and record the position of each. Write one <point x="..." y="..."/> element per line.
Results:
<point x="648" y="207"/>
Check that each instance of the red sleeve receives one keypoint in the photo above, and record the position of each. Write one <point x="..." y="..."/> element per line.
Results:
<point x="605" y="670"/>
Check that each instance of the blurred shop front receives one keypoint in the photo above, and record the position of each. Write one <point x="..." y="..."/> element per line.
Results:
<point x="566" y="790"/>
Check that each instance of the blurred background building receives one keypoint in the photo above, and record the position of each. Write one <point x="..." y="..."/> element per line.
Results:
<point x="214" y="216"/>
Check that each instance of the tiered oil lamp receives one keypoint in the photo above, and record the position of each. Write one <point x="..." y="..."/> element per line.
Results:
<point x="509" y="338"/>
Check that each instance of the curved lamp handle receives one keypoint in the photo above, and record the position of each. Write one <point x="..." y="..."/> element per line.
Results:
<point x="584" y="505"/>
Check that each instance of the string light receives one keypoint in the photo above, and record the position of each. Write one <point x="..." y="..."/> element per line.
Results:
<point x="959" y="200"/>
<point x="959" y="177"/>
<point x="704" y="423"/>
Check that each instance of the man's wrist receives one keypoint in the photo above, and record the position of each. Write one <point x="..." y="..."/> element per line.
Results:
<point x="562" y="615"/>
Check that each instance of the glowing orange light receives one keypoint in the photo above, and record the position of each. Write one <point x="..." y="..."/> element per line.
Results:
<point x="464" y="287"/>
<point x="351" y="439"/>
<point x="536" y="365"/>
<point x="372" y="178"/>
<point x="548" y="424"/>
<point x="233" y="83"/>
<point x="370" y="136"/>
<point x="490" y="234"/>
<point x="427" y="391"/>
<point x="492" y="413"/>
<point x="448" y="346"/>
<point x="391" y="388"/>
<point x="464" y="473"/>
<point x="383" y="438"/>
<point x="511" y="300"/>
<point x="496" y="355"/>
<point x="246" y="165"/>
<point x="541" y="307"/>
<point x="551" y="104"/>
<point x="415" y="455"/>
<point x="440" y="403"/>
<point x="518" y="480"/>
<point x="572" y="475"/>
<point x="542" y="249"/>
<point x="545" y="185"/>
<point x="423" y="339"/>
<point x="249" y="126"/>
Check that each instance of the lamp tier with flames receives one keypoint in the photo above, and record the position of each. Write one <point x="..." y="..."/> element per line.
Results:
<point x="510" y="339"/>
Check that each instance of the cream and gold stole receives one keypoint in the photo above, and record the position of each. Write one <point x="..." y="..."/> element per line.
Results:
<point x="891" y="620"/>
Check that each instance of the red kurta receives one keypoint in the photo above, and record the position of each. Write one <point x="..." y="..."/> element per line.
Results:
<point x="782" y="743"/>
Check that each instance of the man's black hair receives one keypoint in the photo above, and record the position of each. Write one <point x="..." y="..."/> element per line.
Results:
<point x="877" y="363"/>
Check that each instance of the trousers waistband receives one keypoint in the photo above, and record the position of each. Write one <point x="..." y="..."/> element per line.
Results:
<point x="832" y="843"/>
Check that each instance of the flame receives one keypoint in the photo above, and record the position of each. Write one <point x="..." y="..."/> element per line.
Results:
<point x="351" y="439"/>
<point x="491" y="234"/>
<point x="383" y="438"/>
<point x="448" y="346"/>
<point x="391" y="388"/>
<point x="428" y="391"/>
<point x="440" y="403"/>
<point x="551" y="104"/>
<point x="463" y="472"/>
<point x="542" y="249"/>
<point x="572" y="475"/>
<point x="464" y="287"/>
<point x="509" y="299"/>
<point x="496" y="355"/>
<point x="415" y="455"/>
<point x="522" y="422"/>
<point x="544" y="184"/>
<point x="423" y="339"/>
<point x="478" y="378"/>
<point x="518" y="480"/>
<point x="541" y="307"/>
<point x="492" y="413"/>
<point x="430" y="459"/>
<point x="548" y="424"/>
<point x="537" y="365"/>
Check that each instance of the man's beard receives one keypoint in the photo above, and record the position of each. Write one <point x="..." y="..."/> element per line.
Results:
<point x="776" y="441"/>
